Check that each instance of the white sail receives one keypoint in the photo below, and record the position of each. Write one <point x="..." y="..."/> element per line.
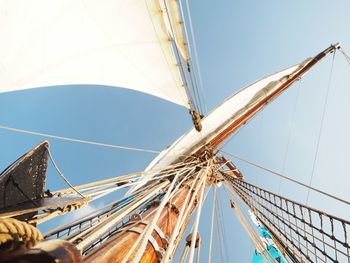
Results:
<point x="123" y="43"/>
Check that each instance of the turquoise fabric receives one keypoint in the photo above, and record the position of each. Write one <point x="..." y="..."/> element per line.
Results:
<point x="273" y="251"/>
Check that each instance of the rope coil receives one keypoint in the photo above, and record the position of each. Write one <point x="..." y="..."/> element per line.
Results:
<point x="14" y="233"/>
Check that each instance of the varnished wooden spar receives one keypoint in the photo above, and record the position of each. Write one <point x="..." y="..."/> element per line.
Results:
<point x="235" y="125"/>
<point x="118" y="246"/>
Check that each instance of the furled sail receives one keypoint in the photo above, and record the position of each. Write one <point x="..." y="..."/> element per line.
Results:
<point x="219" y="120"/>
<point x="123" y="43"/>
<point x="235" y="112"/>
<point x="223" y="116"/>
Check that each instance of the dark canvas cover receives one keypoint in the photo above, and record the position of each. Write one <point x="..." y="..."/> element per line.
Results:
<point x="24" y="180"/>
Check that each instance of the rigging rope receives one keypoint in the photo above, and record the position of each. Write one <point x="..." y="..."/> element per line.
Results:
<point x="111" y="187"/>
<point x="196" y="222"/>
<point x="147" y="232"/>
<point x="212" y="225"/>
<point x="289" y="135"/>
<point x="307" y="233"/>
<point x="183" y="254"/>
<point x="61" y="174"/>
<point x="113" y="146"/>
<point x="198" y="251"/>
<point x="258" y="244"/>
<point x="78" y="140"/>
<point x="347" y="57"/>
<point x="289" y="179"/>
<point x="92" y="234"/>
<point x="216" y="237"/>
<point x="142" y="237"/>
<point x="195" y="50"/>
<point x="182" y="214"/>
<point x="97" y="213"/>
<point x="321" y="126"/>
<point x="158" y="173"/>
<point x="219" y="242"/>
<point x="221" y="228"/>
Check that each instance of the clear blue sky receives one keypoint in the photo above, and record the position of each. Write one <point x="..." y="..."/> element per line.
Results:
<point x="238" y="42"/>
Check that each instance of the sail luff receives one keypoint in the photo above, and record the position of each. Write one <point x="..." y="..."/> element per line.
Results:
<point x="163" y="20"/>
<point x="173" y="22"/>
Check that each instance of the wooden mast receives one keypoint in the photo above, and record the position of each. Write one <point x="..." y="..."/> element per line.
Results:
<point x="115" y="249"/>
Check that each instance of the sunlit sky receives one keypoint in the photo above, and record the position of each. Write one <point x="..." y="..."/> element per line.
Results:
<point x="238" y="42"/>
